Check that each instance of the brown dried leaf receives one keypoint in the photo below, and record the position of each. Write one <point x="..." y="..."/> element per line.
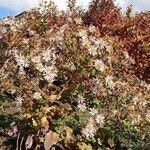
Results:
<point x="53" y="98"/>
<point x="29" y="142"/>
<point x="67" y="106"/>
<point x="51" y="138"/>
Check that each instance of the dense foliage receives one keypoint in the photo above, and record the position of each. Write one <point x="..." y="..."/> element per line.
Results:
<point x="131" y="31"/>
<point x="78" y="79"/>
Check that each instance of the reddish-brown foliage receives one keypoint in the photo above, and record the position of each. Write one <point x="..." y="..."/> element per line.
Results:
<point x="132" y="32"/>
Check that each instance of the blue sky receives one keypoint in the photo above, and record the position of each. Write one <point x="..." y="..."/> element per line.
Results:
<point x="6" y="11"/>
<point x="13" y="7"/>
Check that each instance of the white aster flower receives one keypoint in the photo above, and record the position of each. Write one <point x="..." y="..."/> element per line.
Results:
<point x="21" y="61"/>
<point x="109" y="81"/>
<point x="12" y="90"/>
<point x="40" y="67"/>
<point x="50" y="77"/>
<point x="82" y="33"/>
<point x="85" y="42"/>
<point x="93" y="50"/>
<point x="59" y="37"/>
<point x="25" y="41"/>
<point x="43" y="6"/>
<point x="64" y="27"/>
<point x="109" y="48"/>
<point x="81" y="107"/>
<point x="37" y="95"/>
<point x="92" y="29"/>
<point x="145" y="85"/>
<point x="99" y="65"/>
<point x="89" y="131"/>
<point x="143" y="103"/>
<point x="136" y="119"/>
<point x="102" y="43"/>
<point x="13" y="28"/>
<point x="80" y="99"/>
<point x="72" y="66"/>
<point x="97" y="42"/>
<point x="93" y="111"/>
<point x="135" y="100"/>
<point x="100" y="119"/>
<point x="78" y="20"/>
<point x="19" y="101"/>
<point x="148" y="86"/>
<point x="50" y="73"/>
<point x="148" y="116"/>
<point x="46" y="56"/>
<point x="9" y="21"/>
<point x="50" y="69"/>
<point x="126" y="54"/>
<point x="36" y="59"/>
<point x="31" y="32"/>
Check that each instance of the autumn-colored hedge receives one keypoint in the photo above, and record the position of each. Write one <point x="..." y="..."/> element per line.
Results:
<point x="77" y="78"/>
<point x="132" y="32"/>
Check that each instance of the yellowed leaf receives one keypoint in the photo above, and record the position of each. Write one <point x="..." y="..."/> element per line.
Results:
<point x="84" y="146"/>
<point x="34" y="123"/>
<point x="44" y="121"/>
<point x="111" y="142"/>
<point x="69" y="135"/>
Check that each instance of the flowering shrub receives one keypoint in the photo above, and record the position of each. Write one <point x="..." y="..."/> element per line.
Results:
<point x="70" y="84"/>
